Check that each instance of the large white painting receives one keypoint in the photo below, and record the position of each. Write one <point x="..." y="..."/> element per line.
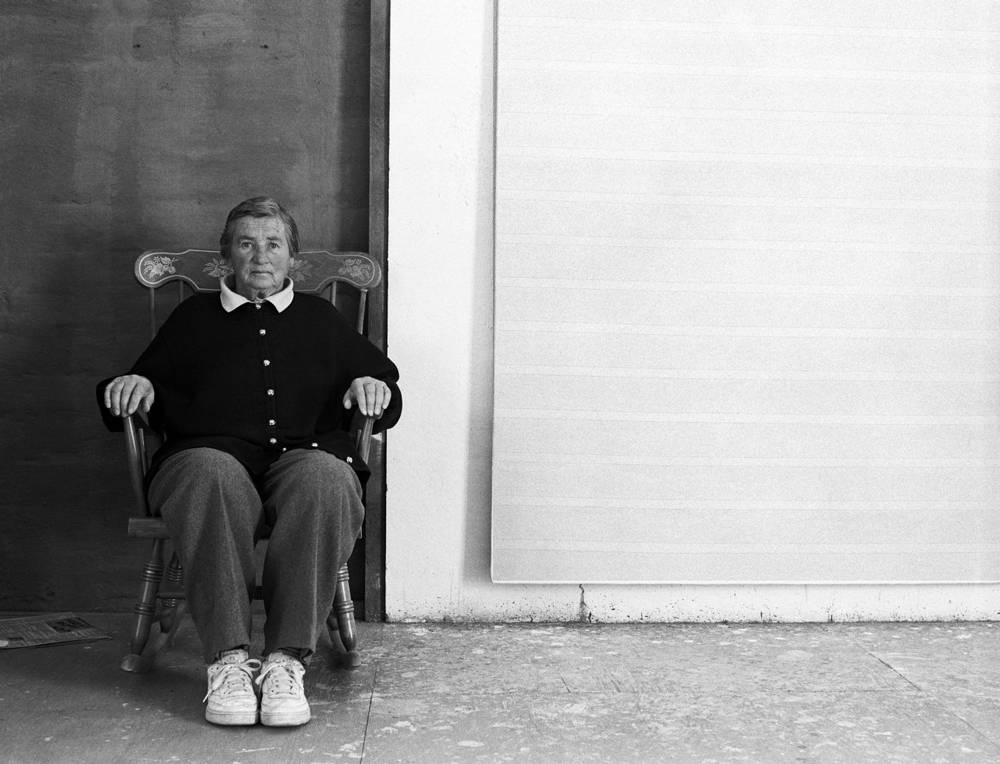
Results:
<point x="747" y="292"/>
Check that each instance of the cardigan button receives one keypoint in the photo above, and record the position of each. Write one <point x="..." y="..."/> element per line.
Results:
<point x="270" y="391"/>
<point x="263" y="332"/>
<point x="350" y="460"/>
<point x="267" y="362"/>
<point x="271" y="422"/>
<point x="315" y="445"/>
<point x="257" y="305"/>
<point x="272" y="441"/>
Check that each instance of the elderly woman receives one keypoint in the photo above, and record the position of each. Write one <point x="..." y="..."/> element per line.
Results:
<point x="253" y="387"/>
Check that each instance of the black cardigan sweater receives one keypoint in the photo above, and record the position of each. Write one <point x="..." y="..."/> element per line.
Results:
<point x="256" y="382"/>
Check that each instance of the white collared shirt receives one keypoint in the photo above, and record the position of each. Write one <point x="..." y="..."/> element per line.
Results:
<point x="232" y="300"/>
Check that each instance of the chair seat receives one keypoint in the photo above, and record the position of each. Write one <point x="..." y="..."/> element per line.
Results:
<point x="147" y="528"/>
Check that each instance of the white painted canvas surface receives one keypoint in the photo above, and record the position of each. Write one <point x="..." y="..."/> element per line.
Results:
<point x="747" y="292"/>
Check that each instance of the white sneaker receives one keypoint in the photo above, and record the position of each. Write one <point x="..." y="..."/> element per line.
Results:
<point x="282" y="700"/>
<point x="231" y="696"/>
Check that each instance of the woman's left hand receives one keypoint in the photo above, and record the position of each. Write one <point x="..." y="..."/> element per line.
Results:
<point x="371" y="396"/>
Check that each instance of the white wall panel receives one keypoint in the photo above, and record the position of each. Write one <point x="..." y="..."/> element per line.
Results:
<point x="747" y="292"/>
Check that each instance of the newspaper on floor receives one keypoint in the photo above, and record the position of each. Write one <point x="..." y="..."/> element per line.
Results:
<point x="47" y="629"/>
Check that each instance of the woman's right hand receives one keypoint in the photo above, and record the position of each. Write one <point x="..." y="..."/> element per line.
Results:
<point x="123" y="395"/>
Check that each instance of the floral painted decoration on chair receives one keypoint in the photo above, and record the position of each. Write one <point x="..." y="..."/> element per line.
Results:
<point x="217" y="268"/>
<point x="157" y="267"/>
<point x="298" y="270"/>
<point x="357" y="269"/>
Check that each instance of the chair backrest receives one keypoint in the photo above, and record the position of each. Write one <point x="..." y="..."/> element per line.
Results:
<point x="199" y="270"/>
<point x="316" y="272"/>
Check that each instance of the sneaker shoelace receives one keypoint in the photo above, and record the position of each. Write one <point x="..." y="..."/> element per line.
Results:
<point x="285" y="677"/>
<point x="233" y="678"/>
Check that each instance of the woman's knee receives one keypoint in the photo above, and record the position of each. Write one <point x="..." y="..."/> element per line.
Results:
<point x="315" y="483"/>
<point x="314" y="470"/>
<point x="203" y="459"/>
<point x="200" y="471"/>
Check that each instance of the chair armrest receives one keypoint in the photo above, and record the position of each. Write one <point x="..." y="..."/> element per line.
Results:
<point x="363" y="425"/>
<point x="134" y="458"/>
<point x="136" y="430"/>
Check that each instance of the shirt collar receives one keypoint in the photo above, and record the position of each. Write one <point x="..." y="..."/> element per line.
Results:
<point x="231" y="300"/>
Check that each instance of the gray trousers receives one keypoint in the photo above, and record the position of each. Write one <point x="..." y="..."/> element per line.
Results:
<point x="215" y="513"/>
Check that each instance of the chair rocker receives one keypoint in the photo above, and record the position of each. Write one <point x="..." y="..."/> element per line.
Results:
<point x="197" y="270"/>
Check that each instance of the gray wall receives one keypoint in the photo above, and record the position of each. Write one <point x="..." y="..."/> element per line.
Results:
<point x="129" y="125"/>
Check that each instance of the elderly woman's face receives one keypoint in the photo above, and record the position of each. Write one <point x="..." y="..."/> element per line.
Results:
<point x="259" y="255"/>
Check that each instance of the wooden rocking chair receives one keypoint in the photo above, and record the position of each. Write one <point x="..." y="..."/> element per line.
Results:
<point x="198" y="270"/>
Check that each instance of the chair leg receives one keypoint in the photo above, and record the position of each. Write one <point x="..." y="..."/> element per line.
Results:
<point x="146" y="644"/>
<point x="169" y="616"/>
<point x="145" y="609"/>
<point x="342" y="617"/>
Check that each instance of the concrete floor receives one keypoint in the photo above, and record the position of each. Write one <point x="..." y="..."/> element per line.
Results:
<point x="540" y="693"/>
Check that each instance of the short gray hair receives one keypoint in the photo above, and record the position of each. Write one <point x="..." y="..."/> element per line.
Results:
<point x="259" y="207"/>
